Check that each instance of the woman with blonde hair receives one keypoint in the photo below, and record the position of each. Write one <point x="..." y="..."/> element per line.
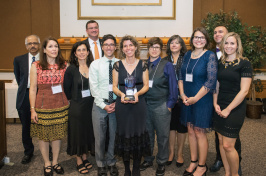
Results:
<point x="234" y="76"/>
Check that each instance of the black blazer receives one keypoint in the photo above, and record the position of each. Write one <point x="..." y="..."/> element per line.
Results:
<point x="214" y="50"/>
<point x="87" y="41"/>
<point x="21" y="71"/>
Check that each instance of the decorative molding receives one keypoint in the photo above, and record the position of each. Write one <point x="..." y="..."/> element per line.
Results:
<point x="126" y="4"/>
<point x="172" y="17"/>
<point x="6" y="70"/>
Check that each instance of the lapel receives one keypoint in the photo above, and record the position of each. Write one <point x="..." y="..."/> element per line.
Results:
<point x="26" y="65"/>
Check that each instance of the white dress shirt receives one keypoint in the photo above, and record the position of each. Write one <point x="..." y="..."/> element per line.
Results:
<point x="37" y="57"/>
<point x="99" y="80"/>
<point x="92" y="45"/>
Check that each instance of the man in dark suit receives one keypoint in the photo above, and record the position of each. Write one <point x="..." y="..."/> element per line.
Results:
<point x="22" y="66"/>
<point x="219" y="33"/>
<point x="92" y="29"/>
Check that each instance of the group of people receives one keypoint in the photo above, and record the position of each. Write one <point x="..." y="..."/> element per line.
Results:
<point x="115" y="107"/>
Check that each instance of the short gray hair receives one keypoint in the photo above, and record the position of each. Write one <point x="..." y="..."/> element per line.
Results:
<point x="34" y="36"/>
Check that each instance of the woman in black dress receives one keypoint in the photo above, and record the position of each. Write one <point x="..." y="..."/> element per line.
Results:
<point x="176" y="49"/>
<point x="132" y="139"/>
<point x="76" y="86"/>
<point x="234" y="76"/>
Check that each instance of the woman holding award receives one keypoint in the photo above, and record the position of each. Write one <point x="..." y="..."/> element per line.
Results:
<point x="131" y="74"/>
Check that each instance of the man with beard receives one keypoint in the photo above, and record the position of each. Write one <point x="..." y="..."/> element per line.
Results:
<point x="22" y="65"/>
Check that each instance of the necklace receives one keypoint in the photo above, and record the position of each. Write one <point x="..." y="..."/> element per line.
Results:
<point x="196" y="55"/>
<point x="130" y="64"/>
<point x="227" y="63"/>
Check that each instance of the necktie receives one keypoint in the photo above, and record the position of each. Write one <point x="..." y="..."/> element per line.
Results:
<point x="96" y="52"/>
<point x="110" y="80"/>
<point x="217" y="50"/>
<point x="33" y="59"/>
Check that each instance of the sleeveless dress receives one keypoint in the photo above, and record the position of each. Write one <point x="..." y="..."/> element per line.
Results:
<point x="80" y="130"/>
<point x="132" y="138"/>
<point x="51" y="109"/>
<point x="230" y="80"/>
<point x="199" y="115"/>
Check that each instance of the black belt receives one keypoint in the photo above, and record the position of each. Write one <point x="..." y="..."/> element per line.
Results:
<point x="107" y="101"/>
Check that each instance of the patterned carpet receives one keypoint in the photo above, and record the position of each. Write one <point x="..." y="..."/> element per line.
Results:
<point x="253" y="153"/>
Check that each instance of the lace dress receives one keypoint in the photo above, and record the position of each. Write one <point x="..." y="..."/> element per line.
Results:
<point x="199" y="115"/>
<point x="51" y="109"/>
<point x="230" y="80"/>
<point x="132" y="138"/>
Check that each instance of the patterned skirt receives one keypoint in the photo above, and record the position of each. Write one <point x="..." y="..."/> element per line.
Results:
<point x="52" y="124"/>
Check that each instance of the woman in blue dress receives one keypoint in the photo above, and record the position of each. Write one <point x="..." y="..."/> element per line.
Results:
<point x="197" y="81"/>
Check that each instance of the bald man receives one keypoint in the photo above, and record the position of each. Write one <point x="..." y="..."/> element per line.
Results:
<point x="22" y="65"/>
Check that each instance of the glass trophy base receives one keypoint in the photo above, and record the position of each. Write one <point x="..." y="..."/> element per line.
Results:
<point x="129" y="98"/>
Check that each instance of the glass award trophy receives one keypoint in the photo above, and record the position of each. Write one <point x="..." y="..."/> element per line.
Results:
<point x="130" y="87"/>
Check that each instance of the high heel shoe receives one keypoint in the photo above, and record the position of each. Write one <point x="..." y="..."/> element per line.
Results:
<point x="186" y="173"/>
<point x="205" y="173"/>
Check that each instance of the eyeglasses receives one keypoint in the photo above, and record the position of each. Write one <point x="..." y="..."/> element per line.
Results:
<point x="93" y="28"/>
<point x="199" y="38"/>
<point x="110" y="45"/>
<point x="155" y="48"/>
<point x="34" y="43"/>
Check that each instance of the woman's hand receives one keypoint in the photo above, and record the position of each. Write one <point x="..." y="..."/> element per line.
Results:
<point x="34" y="117"/>
<point x="225" y="113"/>
<point x="185" y="98"/>
<point x="136" y="95"/>
<point x="191" y="100"/>
<point x="123" y="98"/>
<point x="217" y="109"/>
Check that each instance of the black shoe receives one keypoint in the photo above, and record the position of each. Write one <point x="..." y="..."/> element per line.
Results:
<point x="167" y="163"/>
<point x="160" y="170"/>
<point x="113" y="170"/>
<point x="178" y="164"/>
<point x="48" y="173"/>
<point x="26" y="159"/>
<point x="58" y="169"/>
<point x="186" y="173"/>
<point x="145" y="165"/>
<point x="102" y="171"/>
<point x="216" y="166"/>
<point x="205" y="173"/>
<point x="239" y="170"/>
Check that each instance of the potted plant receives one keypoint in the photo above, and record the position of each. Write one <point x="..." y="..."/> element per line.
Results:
<point x="254" y="45"/>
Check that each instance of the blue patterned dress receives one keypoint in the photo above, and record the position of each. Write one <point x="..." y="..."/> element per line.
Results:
<point x="199" y="115"/>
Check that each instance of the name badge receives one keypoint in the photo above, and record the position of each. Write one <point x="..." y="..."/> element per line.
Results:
<point x="85" y="93"/>
<point x="110" y="87"/>
<point x="150" y="83"/>
<point x="189" y="77"/>
<point x="57" y="89"/>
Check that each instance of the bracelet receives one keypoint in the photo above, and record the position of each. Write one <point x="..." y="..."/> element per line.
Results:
<point x="182" y="95"/>
<point x="32" y="107"/>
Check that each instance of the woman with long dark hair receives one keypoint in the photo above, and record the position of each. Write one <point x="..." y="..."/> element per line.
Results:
<point x="77" y="89"/>
<point x="49" y="106"/>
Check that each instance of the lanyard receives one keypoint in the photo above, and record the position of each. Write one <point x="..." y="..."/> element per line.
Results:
<point x="193" y="66"/>
<point x="82" y="81"/>
<point x="155" y="70"/>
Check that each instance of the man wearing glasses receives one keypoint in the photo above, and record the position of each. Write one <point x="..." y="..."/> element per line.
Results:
<point x="22" y="65"/>
<point x="92" y="29"/>
<point x="161" y="98"/>
<point x="103" y="111"/>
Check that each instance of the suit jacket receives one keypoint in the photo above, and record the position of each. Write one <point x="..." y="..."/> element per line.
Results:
<point x="87" y="41"/>
<point x="21" y="71"/>
<point x="214" y="50"/>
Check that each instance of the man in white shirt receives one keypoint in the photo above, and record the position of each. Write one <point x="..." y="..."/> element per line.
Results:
<point x="92" y="29"/>
<point x="101" y="86"/>
<point x="219" y="33"/>
<point x="22" y="65"/>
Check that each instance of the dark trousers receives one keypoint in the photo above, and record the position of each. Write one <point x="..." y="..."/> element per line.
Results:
<point x="24" y="116"/>
<point x="237" y="147"/>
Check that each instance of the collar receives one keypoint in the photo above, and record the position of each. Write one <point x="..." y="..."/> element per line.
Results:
<point x="91" y="41"/>
<point x="154" y="62"/>
<point x="107" y="60"/>
<point x="37" y="56"/>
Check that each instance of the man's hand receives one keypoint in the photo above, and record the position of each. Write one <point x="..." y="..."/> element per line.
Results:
<point x="110" y="108"/>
